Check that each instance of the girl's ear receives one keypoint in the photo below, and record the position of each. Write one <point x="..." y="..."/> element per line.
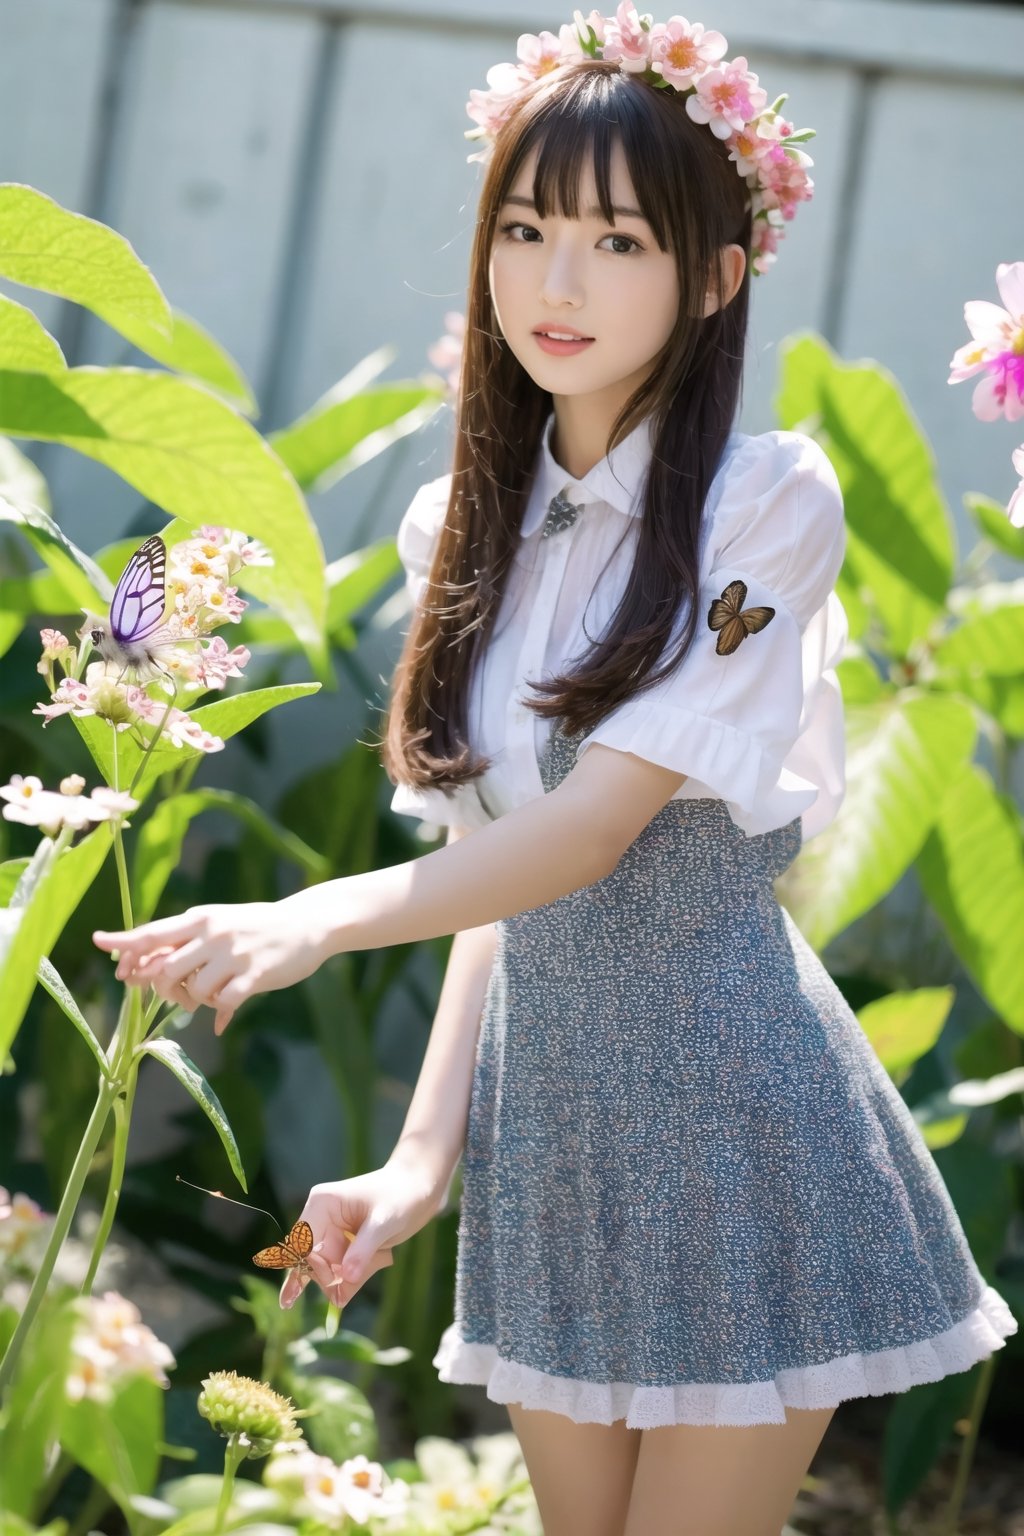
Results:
<point x="734" y="264"/>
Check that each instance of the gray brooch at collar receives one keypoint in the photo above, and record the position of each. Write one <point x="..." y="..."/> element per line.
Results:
<point x="561" y="514"/>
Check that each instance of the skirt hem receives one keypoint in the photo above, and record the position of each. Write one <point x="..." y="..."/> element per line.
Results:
<point x="824" y="1385"/>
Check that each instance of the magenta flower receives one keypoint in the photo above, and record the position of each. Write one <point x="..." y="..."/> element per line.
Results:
<point x="727" y="98"/>
<point x="680" y="53"/>
<point x="997" y="349"/>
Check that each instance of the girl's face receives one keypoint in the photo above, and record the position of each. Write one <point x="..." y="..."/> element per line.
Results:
<point x="611" y="282"/>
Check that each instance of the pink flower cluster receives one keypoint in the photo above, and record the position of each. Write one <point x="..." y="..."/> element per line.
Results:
<point x="997" y="354"/>
<point x="680" y="55"/>
<point x="110" y="1344"/>
<point x="199" y="599"/>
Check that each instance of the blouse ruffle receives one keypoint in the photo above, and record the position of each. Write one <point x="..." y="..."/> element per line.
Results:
<point x="974" y="1337"/>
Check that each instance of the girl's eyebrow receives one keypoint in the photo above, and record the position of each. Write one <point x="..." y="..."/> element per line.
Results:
<point x="595" y="213"/>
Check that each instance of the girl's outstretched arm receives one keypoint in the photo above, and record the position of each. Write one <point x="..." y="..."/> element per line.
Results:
<point x="551" y="846"/>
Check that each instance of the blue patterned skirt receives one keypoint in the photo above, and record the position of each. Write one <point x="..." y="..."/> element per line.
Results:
<point x="691" y="1192"/>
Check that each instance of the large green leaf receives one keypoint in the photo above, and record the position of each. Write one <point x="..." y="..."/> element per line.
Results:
<point x="1000" y="697"/>
<point x="995" y="525"/>
<point x="224" y="718"/>
<point x="78" y="574"/>
<point x="34" y="1406"/>
<point x="192" y="350"/>
<point x="25" y="342"/>
<point x="900" y="547"/>
<point x="158" y="845"/>
<point x="342" y="431"/>
<point x="991" y="643"/>
<point x="193" y="455"/>
<point x="45" y="246"/>
<point x="189" y="1075"/>
<point x="903" y="1026"/>
<point x="49" y="891"/>
<point x="118" y="1443"/>
<point x="51" y="981"/>
<point x="901" y="756"/>
<point x="972" y="870"/>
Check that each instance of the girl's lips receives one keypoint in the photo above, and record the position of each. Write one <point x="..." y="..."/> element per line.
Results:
<point x="561" y="348"/>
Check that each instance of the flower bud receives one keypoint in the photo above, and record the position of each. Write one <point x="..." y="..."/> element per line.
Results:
<point x="238" y="1405"/>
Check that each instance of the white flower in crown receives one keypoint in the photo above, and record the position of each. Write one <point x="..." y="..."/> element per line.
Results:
<point x="674" y="55"/>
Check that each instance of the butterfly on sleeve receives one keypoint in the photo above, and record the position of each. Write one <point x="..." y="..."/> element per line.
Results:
<point x="733" y="622"/>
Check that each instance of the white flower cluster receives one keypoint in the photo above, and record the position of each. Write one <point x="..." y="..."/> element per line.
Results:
<point x="109" y="1344"/>
<point x="357" y="1490"/>
<point x="34" y="806"/>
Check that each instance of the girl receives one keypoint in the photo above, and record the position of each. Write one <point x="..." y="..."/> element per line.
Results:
<point x="696" y="1212"/>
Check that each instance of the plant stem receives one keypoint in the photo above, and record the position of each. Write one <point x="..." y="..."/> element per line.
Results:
<point x="234" y="1454"/>
<point x="61" y="1224"/>
<point x="122" y="1125"/>
<point x="951" y="1515"/>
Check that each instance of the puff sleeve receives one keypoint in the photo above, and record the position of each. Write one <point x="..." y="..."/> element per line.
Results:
<point x="415" y="541"/>
<point x="760" y="728"/>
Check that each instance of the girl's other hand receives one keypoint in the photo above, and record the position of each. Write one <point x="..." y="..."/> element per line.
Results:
<point x="219" y="954"/>
<point x="382" y="1208"/>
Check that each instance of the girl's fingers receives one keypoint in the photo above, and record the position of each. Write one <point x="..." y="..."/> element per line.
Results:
<point x="147" y="936"/>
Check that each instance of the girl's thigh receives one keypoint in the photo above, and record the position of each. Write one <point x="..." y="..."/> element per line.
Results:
<point x="702" y="1480"/>
<point x="581" y="1474"/>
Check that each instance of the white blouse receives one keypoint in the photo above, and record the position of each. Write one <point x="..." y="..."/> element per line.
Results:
<point x="761" y="729"/>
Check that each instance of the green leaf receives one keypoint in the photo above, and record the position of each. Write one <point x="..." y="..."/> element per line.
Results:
<point x="903" y="1026"/>
<point x="192" y="350"/>
<point x="20" y="479"/>
<point x="1000" y="697"/>
<point x="995" y="525"/>
<point x="117" y="1442"/>
<point x="34" y="1406"/>
<point x="342" y="431"/>
<point x="341" y="1422"/>
<point x="189" y="1075"/>
<point x="25" y="343"/>
<point x="78" y="574"/>
<point x="193" y="455"/>
<point x="50" y="979"/>
<point x="902" y="754"/>
<point x="50" y="890"/>
<point x="900" y="547"/>
<point x="45" y="246"/>
<point x="859" y="680"/>
<point x="991" y="643"/>
<point x="224" y="718"/>
<point x="972" y="871"/>
<point x="159" y="843"/>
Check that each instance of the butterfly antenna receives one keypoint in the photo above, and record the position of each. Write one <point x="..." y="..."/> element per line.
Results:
<point x="218" y="1196"/>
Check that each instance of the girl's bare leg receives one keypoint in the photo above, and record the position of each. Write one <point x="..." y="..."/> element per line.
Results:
<point x="707" y="1480"/>
<point x="581" y="1474"/>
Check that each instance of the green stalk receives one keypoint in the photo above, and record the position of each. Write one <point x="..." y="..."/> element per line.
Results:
<point x="122" y="1125"/>
<point x="234" y="1455"/>
<point x="61" y="1224"/>
<point x="951" y="1514"/>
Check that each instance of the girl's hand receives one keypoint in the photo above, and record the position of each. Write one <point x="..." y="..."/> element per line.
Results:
<point x="382" y="1208"/>
<point x="219" y="954"/>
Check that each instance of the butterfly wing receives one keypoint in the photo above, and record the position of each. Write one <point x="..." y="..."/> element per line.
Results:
<point x="726" y="607"/>
<point x="300" y="1238"/>
<point x="756" y="618"/>
<point x="140" y="596"/>
<point x="277" y="1256"/>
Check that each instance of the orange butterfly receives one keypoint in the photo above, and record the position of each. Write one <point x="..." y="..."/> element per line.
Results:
<point x="289" y="1254"/>
<point x="728" y="614"/>
<point x="292" y="1253"/>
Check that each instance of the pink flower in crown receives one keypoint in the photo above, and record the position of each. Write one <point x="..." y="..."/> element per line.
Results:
<point x="749" y="148"/>
<point x="680" y="53"/>
<point x="1015" y="509"/>
<point x="998" y="348"/>
<point x="491" y="107"/>
<point x="727" y="98"/>
<point x="783" y="180"/>
<point x="538" y="55"/>
<point x="764" y="243"/>
<point x="626" y="41"/>
<point x="595" y="21"/>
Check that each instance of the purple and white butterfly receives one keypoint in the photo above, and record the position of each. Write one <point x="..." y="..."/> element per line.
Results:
<point x="134" y="635"/>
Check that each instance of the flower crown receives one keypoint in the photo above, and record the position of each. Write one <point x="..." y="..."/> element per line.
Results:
<point x="673" y="55"/>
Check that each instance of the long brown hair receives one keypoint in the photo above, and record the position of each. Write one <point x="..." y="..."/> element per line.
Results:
<point x="694" y="200"/>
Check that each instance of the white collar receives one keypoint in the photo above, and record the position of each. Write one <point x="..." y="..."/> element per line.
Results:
<point x="618" y="479"/>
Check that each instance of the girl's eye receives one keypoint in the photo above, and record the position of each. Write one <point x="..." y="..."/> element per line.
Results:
<point x="633" y="244"/>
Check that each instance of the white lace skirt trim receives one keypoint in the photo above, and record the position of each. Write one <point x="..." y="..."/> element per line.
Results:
<point x="760" y="1402"/>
